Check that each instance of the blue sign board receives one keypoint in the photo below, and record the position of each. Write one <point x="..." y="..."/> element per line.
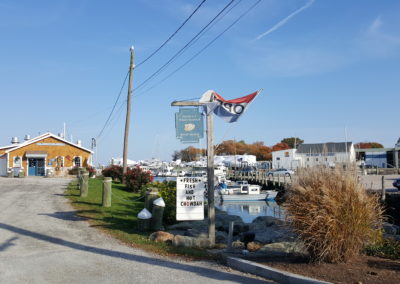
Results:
<point x="189" y="125"/>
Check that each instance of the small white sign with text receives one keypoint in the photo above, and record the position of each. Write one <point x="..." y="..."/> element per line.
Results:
<point x="190" y="198"/>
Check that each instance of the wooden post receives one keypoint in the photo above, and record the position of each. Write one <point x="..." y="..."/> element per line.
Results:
<point x="210" y="168"/>
<point x="210" y="176"/>
<point x="383" y="189"/>
<point x="128" y="117"/>
<point x="85" y="184"/>
<point x="107" y="190"/>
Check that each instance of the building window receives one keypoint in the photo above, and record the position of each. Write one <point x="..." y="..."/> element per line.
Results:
<point x="278" y="158"/>
<point x="308" y="159"/>
<point x="77" y="162"/>
<point x="316" y="159"/>
<point x="17" y="162"/>
<point x="326" y="159"/>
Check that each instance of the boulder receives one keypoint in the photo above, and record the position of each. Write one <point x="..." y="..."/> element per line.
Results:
<point x="238" y="245"/>
<point x="196" y="233"/>
<point x="284" y="248"/>
<point x="263" y="222"/>
<point x="391" y="229"/>
<point x="247" y="237"/>
<point x="190" y="242"/>
<point x="199" y="225"/>
<point x="221" y="237"/>
<point x="222" y="221"/>
<point x="253" y="246"/>
<point x="161" y="236"/>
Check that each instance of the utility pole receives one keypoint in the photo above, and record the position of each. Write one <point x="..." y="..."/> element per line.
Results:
<point x="210" y="168"/>
<point x="210" y="177"/>
<point x="128" y="117"/>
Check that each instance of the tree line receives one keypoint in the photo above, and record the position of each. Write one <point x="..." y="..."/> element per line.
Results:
<point x="258" y="149"/>
<point x="232" y="147"/>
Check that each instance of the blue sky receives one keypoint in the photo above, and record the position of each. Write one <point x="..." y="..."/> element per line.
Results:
<point x="324" y="66"/>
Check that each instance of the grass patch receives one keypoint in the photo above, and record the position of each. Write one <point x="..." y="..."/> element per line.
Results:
<point x="120" y="220"/>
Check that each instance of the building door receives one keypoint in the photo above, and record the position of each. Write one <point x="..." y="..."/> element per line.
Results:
<point x="36" y="167"/>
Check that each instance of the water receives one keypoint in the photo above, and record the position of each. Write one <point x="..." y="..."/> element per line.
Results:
<point x="161" y="179"/>
<point x="248" y="211"/>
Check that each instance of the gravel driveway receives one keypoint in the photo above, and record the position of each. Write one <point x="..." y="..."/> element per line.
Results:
<point x="42" y="241"/>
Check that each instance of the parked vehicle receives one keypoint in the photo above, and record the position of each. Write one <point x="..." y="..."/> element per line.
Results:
<point x="279" y="172"/>
<point x="396" y="183"/>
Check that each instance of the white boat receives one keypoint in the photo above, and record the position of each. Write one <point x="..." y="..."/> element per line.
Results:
<point x="248" y="192"/>
<point x="243" y="191"/>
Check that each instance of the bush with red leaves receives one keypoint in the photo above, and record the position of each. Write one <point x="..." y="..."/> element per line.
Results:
<point x="136" y="178"/>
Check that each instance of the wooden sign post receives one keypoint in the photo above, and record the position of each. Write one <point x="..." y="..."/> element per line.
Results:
<point x="210" y="167"/>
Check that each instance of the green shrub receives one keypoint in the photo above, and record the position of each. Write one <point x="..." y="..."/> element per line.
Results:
<point x="386" y="248"/>
<point x="167" y="190"/>
<point x="113" y="171"/>
<point x="136" y="178"/>
<point x="332" y="214"/>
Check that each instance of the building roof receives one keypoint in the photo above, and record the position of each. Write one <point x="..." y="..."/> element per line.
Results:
<point x="330" y="147"/>
<point x="376" y="150"/>
<point x="43" y="136"/>
<point x="9" y="146"/>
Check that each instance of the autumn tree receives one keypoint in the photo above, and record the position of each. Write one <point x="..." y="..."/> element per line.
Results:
<point x="191" y="154"/>
<point x="280" y="146"/>
<point x="368" y="145"/>
<point x="291" y="141"/>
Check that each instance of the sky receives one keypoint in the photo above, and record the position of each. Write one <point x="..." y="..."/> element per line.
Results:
<point x="328" y="70"/>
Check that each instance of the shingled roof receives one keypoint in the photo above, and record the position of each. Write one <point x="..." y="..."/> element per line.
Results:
<point x="329" y="147"/>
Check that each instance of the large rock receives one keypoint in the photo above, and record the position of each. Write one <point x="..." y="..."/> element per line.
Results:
<point x="222" y="221"/>
<point x="190" y="242"/>
<point x="221" y="237"/>
<point x="253" y="246"/>
<point x="196" y="233"/>
<point x="391" y="229"/>
<point x="284" y="248"/>
<point x="247" y="237"/>
<point x="263" y="222"/>
<point x="198" y="225"/>
<point x="274" y="234"/>
<point x="161" y="236"/>
<point x="238" y="245"/>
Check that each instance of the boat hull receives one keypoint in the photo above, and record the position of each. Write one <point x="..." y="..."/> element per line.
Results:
<point x="243" y="197"/>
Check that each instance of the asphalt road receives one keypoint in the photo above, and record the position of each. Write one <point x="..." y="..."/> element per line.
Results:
<point x="42" y="241"/>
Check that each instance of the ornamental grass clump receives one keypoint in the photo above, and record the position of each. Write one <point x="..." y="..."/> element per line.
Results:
<point x="332" y="214"/>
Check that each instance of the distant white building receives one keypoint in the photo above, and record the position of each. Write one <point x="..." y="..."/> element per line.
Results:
<point x="285" y="159"/>
<point x="310" y="155"/>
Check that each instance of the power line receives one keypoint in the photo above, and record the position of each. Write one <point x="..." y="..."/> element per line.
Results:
<point x="112" y="110"/>
<point x="182" y="49"/>
<point x="205" y="47"/>
<point x="151" y="55"/>
<point x="113" y="121"/>
<point x="171" y="36"/>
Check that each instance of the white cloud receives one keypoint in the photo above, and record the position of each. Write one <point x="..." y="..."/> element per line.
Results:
<point x="377" y="42"/>
<point x="285" y="20"/>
